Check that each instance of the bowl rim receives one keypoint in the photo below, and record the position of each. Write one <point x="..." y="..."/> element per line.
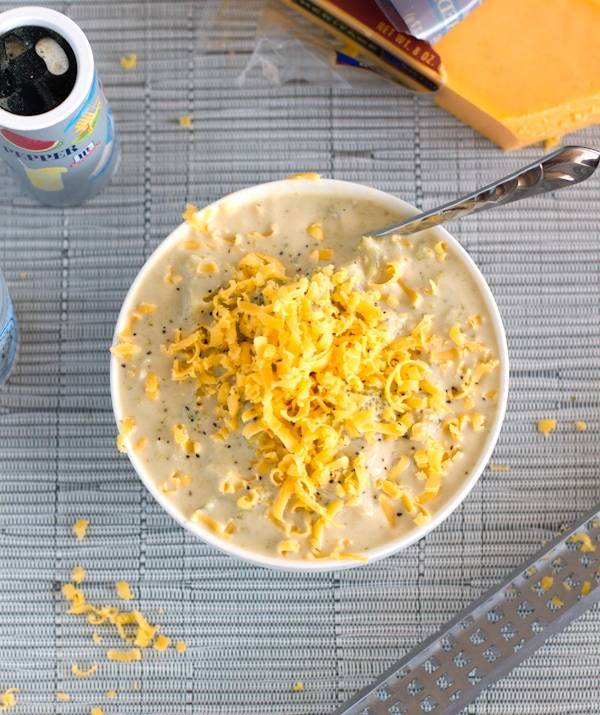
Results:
<point x="349" y="190"/>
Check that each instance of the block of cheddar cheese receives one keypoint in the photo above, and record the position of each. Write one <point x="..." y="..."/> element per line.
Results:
<point x="521" y="71"/>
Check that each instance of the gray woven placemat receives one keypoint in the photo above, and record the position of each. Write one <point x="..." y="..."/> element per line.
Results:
<point x="253" y="634"/>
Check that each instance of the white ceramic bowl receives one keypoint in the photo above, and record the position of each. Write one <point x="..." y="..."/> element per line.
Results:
<point x="349" y="190"/>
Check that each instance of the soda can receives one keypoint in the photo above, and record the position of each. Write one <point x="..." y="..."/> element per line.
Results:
<point x="57" y="131"/>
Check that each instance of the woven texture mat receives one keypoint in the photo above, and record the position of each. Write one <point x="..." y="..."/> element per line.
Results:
<point x="251" y="633"/>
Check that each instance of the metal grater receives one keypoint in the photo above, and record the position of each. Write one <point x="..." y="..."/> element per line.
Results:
<point x="495" y="633"/>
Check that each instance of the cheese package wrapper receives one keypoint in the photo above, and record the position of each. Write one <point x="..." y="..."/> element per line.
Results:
<point x="517" y="71"/>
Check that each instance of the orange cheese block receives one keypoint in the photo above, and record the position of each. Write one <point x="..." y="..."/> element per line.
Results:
<point x="521" y="71"/>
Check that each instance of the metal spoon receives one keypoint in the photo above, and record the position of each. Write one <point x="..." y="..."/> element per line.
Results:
<point x="564" y="167"/>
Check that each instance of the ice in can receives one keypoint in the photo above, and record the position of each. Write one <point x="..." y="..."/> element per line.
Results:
<point x="57" y="131"/>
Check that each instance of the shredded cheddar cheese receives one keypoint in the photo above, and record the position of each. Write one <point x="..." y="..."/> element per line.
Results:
<point x="546" y="583"/>
<point x="125" y="655"/>
<point x="441" y="250"/>
<point x="302" y="367"/>
<point x="111" y="694"/>
<point x="185" y="121"/>
<point x="545" y="426"/>
<point x="77" y="574"/>
<point x="123" y="590"/>
<point x="208" y="267"/>
<point x="581" y="425"/>
<point x="298" y="686"/>
<point x="180" y="646"/>
<point x="8" y="699"/>
<point x="129" y="62"/>
<point x="152" y="385"/>
<point x="83" y="672"/>
<point x="80" y="528"/>
<point x="96" y="711"/>
<point x="62" y="696"/>
<point x="315" y="230"/>
<point x="161" y="643"/>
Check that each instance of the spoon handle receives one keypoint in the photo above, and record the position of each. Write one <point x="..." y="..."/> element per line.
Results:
<point x="563" y="167"/>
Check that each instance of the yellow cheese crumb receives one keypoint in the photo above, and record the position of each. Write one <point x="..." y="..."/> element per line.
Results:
<point x="129" y="62"/>
<point x="8" y="699"/>
<point x="146" y="308"/>
<point x="125" y="351"/>
<point x="581" y="425"/>
<point x="162" y="643"/>
<point x="309" y="175"/>
<point x="83" y="672"/>
<point x="298" y="687"/>
<point x="123" y="590"/>
<point x="315" y="230"/>
<point x="96" y="711"/>
<point x="288" y="546"/>
<point x="181" y="646"/>
<point x="248" y="500"/>
<point x="172" y="277"/>
<point x="546" y="583"/>
<point x="586" y="587"/>
<point x="185" y="121"/>
<point x="77" y="574"/>
<point x="140" y="444"/>
<point x="586" y="542"/>
<point x="321" y="254"/>
<point x="96" y="638"/>
<point x="121" y="446"/>
<point x="545" y="426"/>
<point x="441" y="250"/>
<point x="111" y="694"/>
<point x="124" y="655"/>
<point x="208" y="267"/>
<point x="62" y="696"/>
<point x="414" y="297"/>
<point x="151" y="386"/>
<point x="80" y="529"/>
<point x="557" y="602"/>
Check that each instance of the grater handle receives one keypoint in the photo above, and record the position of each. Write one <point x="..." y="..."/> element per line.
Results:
<point x="495" y="633"/>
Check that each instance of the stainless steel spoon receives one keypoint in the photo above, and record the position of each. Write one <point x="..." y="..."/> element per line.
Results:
<point x="564" y="167"/>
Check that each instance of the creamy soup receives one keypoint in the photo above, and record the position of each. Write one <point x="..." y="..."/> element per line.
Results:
<point x="299" y="388"/>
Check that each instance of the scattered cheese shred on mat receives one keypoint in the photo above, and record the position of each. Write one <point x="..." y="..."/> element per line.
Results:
<point x="545" y="426"/>
<point x="495" y="467"/>
<point x="129" y="62"/>
<point x="546" y="583"/>
<point x="131" y="626"/>
<point x="62" y="696"/>
<point x="581" y="425"/>
<point x="8" y="699"/>
<point x="124" y="590"/>
<point x="96" y="711"/>
<point x="162" y="643"/>
<point x="83" y="672"/>
<point x="80" y="528"/>
<point x="303" y="366"/>
<point x="78" y="574"/>
<point x="125" y="655"/>
<point x="111" y="694"/>
<point x="298" y="686"/>
<point x="185" y="121"/>
<point x="181" y="646"/>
